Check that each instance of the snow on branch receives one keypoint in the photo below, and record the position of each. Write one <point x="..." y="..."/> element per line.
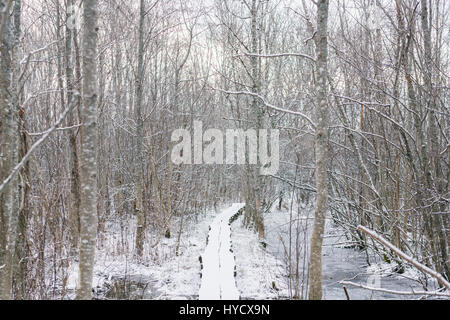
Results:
<point x="277" y="55"/>
<point x="39" y="142"/>
<point x="404" y="293"/>
<point x="268" y="105"/>
<point x="405" y="257"/>
<point x="26" y="59"/>
<point x="57" y="129"/>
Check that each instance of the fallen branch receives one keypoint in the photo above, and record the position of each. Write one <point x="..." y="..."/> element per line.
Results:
<point x="404" y="293"/>
<point x="405" y="257"/>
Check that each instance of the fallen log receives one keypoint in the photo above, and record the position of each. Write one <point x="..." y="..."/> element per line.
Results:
<point x="405" y="257"/>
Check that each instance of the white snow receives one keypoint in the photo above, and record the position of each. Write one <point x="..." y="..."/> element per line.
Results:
<point x="168" y="277"/>
<point x="338" y="262"/>
<point x="260" y="275"/>
<point x="218" y="281"/>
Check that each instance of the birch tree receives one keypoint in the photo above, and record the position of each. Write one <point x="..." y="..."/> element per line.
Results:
<point x="321" y="142"/>
<point x="9" y="34"/>
<point x="88" y="154"/>
<point x="139" y="134"/>
<point x="435" y="178"/>
<point x="74" y="209"/>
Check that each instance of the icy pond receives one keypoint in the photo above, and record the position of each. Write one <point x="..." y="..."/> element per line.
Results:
<point x="340" y="260"/>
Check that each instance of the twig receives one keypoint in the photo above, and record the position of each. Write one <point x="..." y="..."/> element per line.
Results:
<point x="346" y="293"/>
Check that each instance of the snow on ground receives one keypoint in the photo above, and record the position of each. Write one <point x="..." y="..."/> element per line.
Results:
<point x="259" y="274"/>
<point x="161" y="274"/>
<point x="262" y="273"/>
<point x="179" y="276"/>
<point x="218" y="281"/>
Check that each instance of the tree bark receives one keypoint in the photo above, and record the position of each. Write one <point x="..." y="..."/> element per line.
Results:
<point x="439" y="233"/>
<point x="9" y="202"/>
<point x="74" y="206"/>
<point x="88" y="155"/>
<point x="140" y="140"/>
<point x="321" y="142"/>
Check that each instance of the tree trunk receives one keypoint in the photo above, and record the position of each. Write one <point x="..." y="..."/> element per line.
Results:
<point x="139" y="133"/>
<point x="315" y="259"/>
<point x="253" y="210"/>
<point x="9" y="202"/>
<point x="88" y="155"/>
<point x="74" y="206"/>
<point x="439" y="232"/>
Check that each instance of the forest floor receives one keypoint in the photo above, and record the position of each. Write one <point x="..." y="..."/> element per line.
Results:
<point x="261" y="273"/>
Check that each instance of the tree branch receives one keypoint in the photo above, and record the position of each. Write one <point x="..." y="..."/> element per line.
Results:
<point x="405" y="257"/>
<point x="277" y="55"/>
<point x="268" y="105"/>
<point x="38" y="143"/>
<point x="404" y="293"/>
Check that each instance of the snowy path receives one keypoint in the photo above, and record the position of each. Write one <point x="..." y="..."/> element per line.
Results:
<point x="218" y="281"/>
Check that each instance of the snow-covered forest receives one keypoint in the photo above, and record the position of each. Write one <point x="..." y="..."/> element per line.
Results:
<point x="224" y="149"/>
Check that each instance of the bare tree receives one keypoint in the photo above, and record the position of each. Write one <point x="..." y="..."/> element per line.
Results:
<point x="139" y="134"/>
<point x="315" y="259"/>
<point x="9" y="34"/>
<point x="74" y="160"/>
<point x="88" y="154"/>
